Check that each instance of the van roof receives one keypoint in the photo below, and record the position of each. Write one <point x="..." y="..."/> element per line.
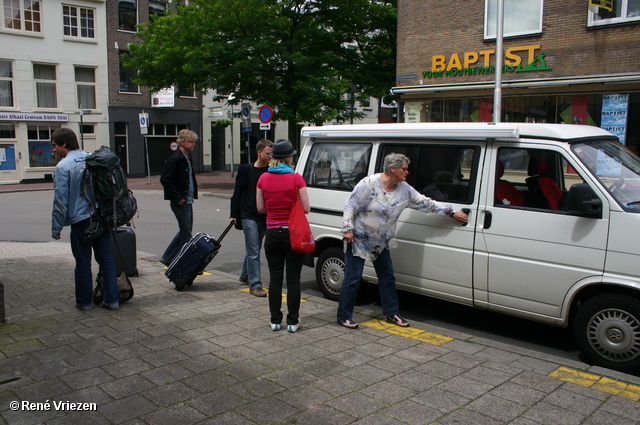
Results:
<point x="459" y="130"/>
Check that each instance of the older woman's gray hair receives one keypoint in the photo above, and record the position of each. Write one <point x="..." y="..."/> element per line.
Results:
<point x="395" y="160"/>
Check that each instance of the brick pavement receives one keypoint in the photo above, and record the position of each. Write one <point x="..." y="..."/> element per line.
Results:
<point x="207" y="356"/>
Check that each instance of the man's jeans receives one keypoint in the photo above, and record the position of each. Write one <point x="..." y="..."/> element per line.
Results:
<point x="184" y="215"/>
<point x="283" y="260"/>
<point x="253" y="236"/>
<point x="353" y="267"/>
<point x="81" y="249"/>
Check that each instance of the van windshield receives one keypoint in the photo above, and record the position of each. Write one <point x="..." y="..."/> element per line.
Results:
<point x="617" y="168"/>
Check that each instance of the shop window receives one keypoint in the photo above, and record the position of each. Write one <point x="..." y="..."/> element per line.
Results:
<point x="22" y="15"/>
<point x="78" y="22"/>
<point x="622" y="11"/>
<point x="126" y="77"/>
<point x="158" y="8"/>
<point x="41" y="152"/>
<point x="6" y="83"/>
<point x="7" y="131"/>
<point x="86" y="87"/>
<point x="166" y="129"/>
<point x="521" y="17"/>
<point x="46" y="86"/>
<point x="127" y="15"/>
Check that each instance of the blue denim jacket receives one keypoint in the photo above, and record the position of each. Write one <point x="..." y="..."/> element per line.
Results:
<point x="69" y="203"/>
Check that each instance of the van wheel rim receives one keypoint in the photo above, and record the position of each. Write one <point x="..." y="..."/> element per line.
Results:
<point x="332" y="275"/>
<point x="615" y="335"/>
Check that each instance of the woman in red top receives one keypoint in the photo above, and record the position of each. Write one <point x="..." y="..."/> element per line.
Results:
<point x="275" y="195"/>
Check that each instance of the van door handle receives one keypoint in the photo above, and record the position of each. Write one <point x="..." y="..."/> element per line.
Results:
<point x="467" y="211"/>
<point x="488" y="217"/>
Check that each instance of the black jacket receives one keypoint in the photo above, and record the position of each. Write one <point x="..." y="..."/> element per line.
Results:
<point x="175" y="178"/>
<point x="243" y="201"/>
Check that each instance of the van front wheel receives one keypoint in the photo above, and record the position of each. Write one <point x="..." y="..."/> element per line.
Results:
<point x="607" y="330"/>
<point x="330" y="272"/>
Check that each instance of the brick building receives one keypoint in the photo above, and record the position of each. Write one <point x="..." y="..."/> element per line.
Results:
<point x="168" y="112"/>
<point x="564" y="62"/>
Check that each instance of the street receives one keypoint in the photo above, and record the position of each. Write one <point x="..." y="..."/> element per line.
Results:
<point x="28" y="219"/>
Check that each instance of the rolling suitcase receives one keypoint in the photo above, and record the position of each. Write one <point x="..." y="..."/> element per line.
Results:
<point x="194" y="256"/>
<point x="123" y="249"/>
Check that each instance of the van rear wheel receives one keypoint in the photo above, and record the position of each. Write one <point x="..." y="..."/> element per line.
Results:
<point x="330" y="272"/>
<point x="607" y="330"/>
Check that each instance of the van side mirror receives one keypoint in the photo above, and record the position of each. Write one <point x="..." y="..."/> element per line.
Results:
<point x="583" y="201"/>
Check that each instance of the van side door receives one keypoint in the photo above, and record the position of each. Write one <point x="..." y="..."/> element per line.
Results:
<point x="530" y="248"/>
<point x="434" y="255"/>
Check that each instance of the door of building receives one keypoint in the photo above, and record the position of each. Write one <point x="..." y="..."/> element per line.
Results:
<point x="217" y="148"/>
<point x="8" y="168"/>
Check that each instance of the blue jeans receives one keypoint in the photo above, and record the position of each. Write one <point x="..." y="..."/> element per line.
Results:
<point x="353" y="267"/>
<point x="253" y="236"/>
<point x="81" y="249"/>
<point x="277" y="249"/>
<point x="184" y="215"/>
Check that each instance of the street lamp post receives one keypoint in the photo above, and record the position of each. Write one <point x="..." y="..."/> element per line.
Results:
<point x="497" y="94"/>
<point x="229" y="99"/>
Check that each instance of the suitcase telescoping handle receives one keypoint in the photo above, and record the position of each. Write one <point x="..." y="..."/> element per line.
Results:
<point x="225" y="232"/>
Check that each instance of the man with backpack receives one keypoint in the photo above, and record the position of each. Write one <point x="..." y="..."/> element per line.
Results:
<point x="72" y="208"/>
<point x="181" y="188"/>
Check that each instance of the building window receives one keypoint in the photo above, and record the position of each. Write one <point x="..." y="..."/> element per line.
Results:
<point x="22" y="15"/>
<point x="46" y="88"/>
<point x="521" y="17"/>
<point x="166" y="129"/>
<point x="7" y="131"/>
<point x="86" y="87"/>
<point x="186" y="91"/>
<point x="78" y="22"/>
<point x="126" y="77"/>
<point x="127" y="15"/>
<point x="157" y="8"/>
<point x="622" y="11"/>
<point x="6" y="83"/>
<point x="41" y="152"/>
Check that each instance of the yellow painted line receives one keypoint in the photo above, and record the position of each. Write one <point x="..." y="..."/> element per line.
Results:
<point x="284" y="296"/>
<point x="597" y="382"/>
<point x="199" y="274"/>
<point x="409" y="332"/>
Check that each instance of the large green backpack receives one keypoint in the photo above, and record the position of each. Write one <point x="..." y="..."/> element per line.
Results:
<point x="105" y="186"/>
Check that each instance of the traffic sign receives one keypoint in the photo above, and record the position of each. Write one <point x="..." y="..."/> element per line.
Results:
<point x="144" y="122"/>
<point x="265" y="114"/>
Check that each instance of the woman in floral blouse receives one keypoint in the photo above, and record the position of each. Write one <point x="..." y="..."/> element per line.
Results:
<point x="369" y="228"/>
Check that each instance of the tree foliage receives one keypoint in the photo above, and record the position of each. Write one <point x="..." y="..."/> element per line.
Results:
<point x="300" y="57"/>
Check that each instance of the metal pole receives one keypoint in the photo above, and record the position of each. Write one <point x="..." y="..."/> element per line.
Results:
<point x="81" y="127"/>
<point x="231" y="139"/>
<point x="497" y="95"/>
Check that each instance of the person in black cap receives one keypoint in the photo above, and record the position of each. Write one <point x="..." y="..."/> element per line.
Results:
<point x="276" y="193"/>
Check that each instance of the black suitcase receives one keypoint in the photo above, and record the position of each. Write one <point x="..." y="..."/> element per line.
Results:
<point x="193" y="257"/>
<point x="123" y="249"/>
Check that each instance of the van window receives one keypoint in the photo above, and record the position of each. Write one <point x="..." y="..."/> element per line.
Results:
<point x="616" y="168"/>
<point x="337" y="166"/>
<point x="443" y="173"/>
<point x="534" y="178"/>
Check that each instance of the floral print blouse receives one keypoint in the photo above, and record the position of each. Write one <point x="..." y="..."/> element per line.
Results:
<point x="371" y="214"/>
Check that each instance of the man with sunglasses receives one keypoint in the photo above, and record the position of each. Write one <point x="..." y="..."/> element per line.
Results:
<point x="245" y="216"/>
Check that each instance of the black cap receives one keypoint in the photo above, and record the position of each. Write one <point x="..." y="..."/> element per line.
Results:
<point x="282" y="149"/>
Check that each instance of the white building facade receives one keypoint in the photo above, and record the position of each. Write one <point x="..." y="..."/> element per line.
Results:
<point x="53" y="73"/>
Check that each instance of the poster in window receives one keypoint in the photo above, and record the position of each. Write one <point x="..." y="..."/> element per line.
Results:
<point x="614" y="114"/>
<point x="41" y="154"/>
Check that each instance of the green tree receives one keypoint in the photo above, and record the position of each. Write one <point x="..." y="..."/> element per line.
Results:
<point x="300" y="57"/>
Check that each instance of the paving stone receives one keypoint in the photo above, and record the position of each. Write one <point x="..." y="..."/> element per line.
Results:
<point x="337" y="385"/>
<point x="411" y="412"/>
<point x="126" y="409"/>
<point x="441" y="400"/>
<point x="357" y="404"/>
<point x="86" y="378"/>
<point x="124" y="387"/>
<point x="549" y="414"/>
<point x="487" y="375"/>
<point x="267" y="410"/>
<point x="415" y="380"/>
<point x="622" y="407"/>
<point x="572" y="401"/>
<point x="322" y="415"/>
<point x="255" y="389"/>
<point x="210" y="381"/>
<point x="165" y="357"/>
<point x="503" y="410"/>
<point x="322" y="367"/>
<point x="168" y="373"/>
<point x="127" y="367"/>
<point x="465" y="387"/>
<point x="303" y="396"/>
<point x="203" y="363"/>
<point x="377" y="419"/>
<point x="468" y="417"/>
<point x="521" y="394"/>
<point x="599" y="418"/>
<point x="388" y="391"/>
<point x="289" y="377"/>
<point x="178" y="414"/>
<point x="217" y="402"/>
<point x="50" y="370"/>
<point x="439" y="369"/>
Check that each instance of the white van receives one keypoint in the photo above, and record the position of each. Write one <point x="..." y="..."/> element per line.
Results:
<point x="554" y="221"/>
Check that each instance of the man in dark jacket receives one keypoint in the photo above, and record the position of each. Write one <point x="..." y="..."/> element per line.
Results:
<point x="180" y="188"/>
<point x="245" y="215"/>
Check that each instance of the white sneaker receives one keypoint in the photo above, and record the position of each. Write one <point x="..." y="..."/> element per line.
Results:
<point x="294" y="328"/>
<point x="275" y="327"/>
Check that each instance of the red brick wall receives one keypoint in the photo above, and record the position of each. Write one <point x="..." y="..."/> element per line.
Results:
<point x="428" y="27"/>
